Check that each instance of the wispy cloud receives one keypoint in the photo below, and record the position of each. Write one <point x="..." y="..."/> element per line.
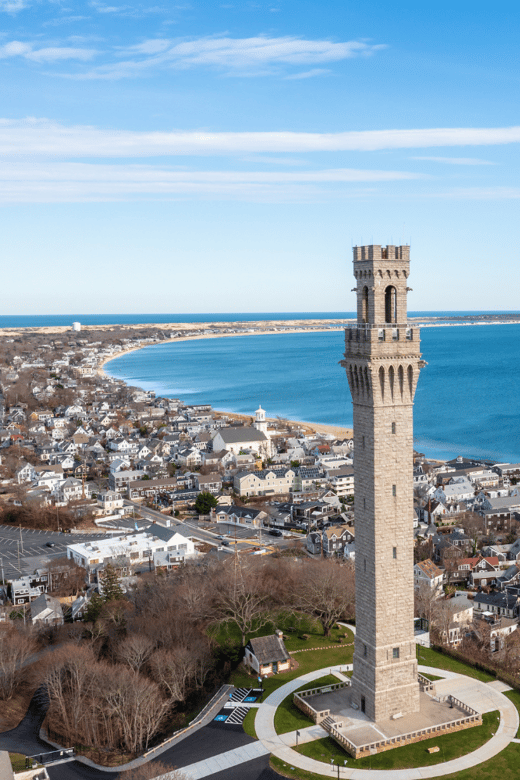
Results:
<point x="134" y="11"/>
<point x="456" y="160"/>
<point x="61" y="21"/>
<point x="42" y="182"/>
<point x="308" y="74"/>
<point x="45" y="54"/>
<point x="13" y="6"/>
<point x="42" y="137"/>
<point x="480" y="193"/>
<point x="247" y="56"/>
<point x="103" y="8"/>
<point x="270" y="160"/>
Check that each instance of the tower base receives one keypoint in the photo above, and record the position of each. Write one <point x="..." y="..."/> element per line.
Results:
<point x="359" y="736"/>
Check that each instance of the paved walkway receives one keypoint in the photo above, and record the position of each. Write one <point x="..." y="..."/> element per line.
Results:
<point x="485" y="697"/>
<point x="211" y="766"/>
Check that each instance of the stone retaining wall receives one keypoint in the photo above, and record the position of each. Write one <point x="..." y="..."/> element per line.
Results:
<point x="405" y="739"/>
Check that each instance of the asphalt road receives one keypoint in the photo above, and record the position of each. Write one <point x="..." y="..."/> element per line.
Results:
<point x="258" y="769"/>
<point x="24" y="550"/>
<point x="32" y="548"/>
<point x="231" y="532"/>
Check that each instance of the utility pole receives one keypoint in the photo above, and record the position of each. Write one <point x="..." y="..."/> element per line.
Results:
<point x="21" y="538"/>
<point x="84" y="466"/>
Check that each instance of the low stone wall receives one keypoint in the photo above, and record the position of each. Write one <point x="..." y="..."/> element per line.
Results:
<point x="425" y="684"/>
<point x="404" y="739"/>
<point x="306" y="707"/>
<point x="328" y="647"/>
<point x="302" y="700"/>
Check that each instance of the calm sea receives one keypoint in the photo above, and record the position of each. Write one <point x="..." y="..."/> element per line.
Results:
<point x="466" y="401"/>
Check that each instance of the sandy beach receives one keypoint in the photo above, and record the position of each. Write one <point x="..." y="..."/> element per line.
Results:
<point x="189" y="331"/>
<point x="308" y="427"/>
<point x="338" y="432"/>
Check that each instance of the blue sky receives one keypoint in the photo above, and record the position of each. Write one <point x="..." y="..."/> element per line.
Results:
<point x="225" y="156"/>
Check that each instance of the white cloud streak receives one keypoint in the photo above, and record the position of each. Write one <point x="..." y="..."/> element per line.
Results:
<point x="55" y="182"/>
<point x="480" y="193"/>
<point x="248" y="56"/>
<point x="44" y="138"/>
<point x="455" y="160"/>
<point x="46" y="54"/>
<point x="308" y="74"/>
<point x="13" y="6"/>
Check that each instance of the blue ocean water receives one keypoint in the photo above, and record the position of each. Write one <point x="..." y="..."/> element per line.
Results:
<point x="466" y="401"/>
<point x="54" y="320"/>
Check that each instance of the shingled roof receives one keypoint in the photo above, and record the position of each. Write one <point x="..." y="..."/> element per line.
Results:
<point x="268" y="649"/>
<point x="237" y="435"/>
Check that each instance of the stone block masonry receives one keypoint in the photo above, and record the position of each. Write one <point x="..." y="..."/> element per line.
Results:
<point x="382" y="362"/>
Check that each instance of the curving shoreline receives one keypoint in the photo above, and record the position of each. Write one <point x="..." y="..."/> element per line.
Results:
<point x="338" y="431"/>
<point x="286" y="326"/>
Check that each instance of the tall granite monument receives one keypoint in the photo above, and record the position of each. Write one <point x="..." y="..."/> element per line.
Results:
<point x="382" y="361"/>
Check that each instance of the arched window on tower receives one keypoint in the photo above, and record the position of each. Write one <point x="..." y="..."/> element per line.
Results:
<point x="390" y="304"/>
<point x="364" y="304"/>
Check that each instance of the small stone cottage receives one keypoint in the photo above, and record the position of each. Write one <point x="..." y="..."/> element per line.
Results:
<point x="268" y="654"/>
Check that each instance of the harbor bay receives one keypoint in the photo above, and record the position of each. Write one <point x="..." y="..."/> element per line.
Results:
<point x="466" y="400"/>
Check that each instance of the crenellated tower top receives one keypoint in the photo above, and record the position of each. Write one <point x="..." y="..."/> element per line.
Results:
<point x="381" y="274"/>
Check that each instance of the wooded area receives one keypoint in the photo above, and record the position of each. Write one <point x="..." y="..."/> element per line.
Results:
<point x="127" y="675"/>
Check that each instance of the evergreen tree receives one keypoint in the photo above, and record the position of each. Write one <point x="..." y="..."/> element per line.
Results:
<point x="112" y="590"/>
<point x="205" y="502"/>
<point x="93" y="609"/>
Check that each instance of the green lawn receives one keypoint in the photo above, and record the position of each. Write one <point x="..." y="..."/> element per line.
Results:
<point x="315" y="658"/>
<point x="431" y="677"/>
<point x="249" y="722"/>
<point x="502" y="767"/>
<point x="451" y="746"/>
<point x="428" y="657"/>
<point x="17" y="762"/>
<point x="288" y="717"/>
<point x="287" y="770"/>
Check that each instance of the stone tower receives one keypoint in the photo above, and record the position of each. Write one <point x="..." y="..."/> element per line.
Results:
<point x="382" y="361"/>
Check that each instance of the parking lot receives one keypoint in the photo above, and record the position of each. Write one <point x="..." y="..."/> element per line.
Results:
<point x="24" y="550"/>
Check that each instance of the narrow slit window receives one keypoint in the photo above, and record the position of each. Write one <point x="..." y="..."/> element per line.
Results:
<point x="393" y="427"/>
<point x="394" y="490"/>
<point x="395" y="652"/>
<point x="394" y="552"/>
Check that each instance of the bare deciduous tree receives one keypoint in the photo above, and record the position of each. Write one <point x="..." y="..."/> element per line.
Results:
<point x="242" y="599"/>
<point x="425" y="599"/>
<point x="473" y="526"/>
<point x="327" y="592"/>
<point x="135" y="650"/>
<point x="16" y="647"/>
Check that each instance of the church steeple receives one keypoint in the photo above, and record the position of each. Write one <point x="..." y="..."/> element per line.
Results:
<point x="260" y="422"/>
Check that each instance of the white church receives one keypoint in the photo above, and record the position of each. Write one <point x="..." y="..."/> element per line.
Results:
<point x="243" y="438"/>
